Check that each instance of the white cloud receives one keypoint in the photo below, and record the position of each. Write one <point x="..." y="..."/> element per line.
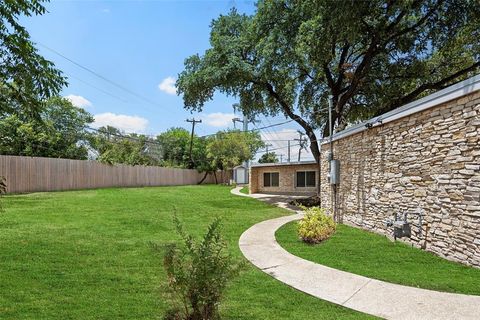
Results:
<point x="121" y="121"/>
<point x="78" y="101"/>
<point x="168" y="86"/>
<point x="219" y="119"/>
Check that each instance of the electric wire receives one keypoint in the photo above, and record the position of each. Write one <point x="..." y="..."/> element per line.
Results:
<point x="97" y="88"/>
<point x="119" y="86"/>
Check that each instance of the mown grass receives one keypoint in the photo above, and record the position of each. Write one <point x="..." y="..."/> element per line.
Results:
<point x="244" y="190"/>
<point x="87" y="255"/>
<point x="372" y="255"/>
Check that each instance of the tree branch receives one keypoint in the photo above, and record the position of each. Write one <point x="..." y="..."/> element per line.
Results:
<point x="314" y="146"/>
<point x="427" y="86"/>
<point x="416" y="25"/>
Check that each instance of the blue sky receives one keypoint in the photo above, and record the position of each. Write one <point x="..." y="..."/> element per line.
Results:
<point x="140" y="45"/>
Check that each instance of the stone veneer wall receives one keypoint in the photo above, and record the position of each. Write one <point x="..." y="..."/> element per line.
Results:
<point x="286" y="178"/>
<point x="427" y="163"/>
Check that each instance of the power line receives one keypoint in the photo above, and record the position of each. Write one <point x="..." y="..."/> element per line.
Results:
<point x="252" y="130"/>
<point x="272" y="125"/>
<point x="272" y="132"/>
<point x="128" y="136"/>
<point x="101" y="76"/>
<point x="95" y="87"/>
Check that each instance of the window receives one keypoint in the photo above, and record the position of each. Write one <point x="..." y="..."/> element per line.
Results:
<point x="270" y="179"/>
<point x="305" y="179"/>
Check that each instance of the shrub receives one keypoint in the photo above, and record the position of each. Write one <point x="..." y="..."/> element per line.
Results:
<point x="316" y="225"/>
<point x="198" y="273"/>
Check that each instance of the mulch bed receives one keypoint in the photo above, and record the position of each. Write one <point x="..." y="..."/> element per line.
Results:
<point x="306" y="202"/>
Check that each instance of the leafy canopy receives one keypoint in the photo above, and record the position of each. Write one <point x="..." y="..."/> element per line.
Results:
<point x="371" y="56"/>
<point x="58" y="132"/>
<point x="114" y="147"/>
<point x="176" y="147"/>
<point x="230" y="148"/>
<point x="269" y="157"/>
<point x="26" y="78"/>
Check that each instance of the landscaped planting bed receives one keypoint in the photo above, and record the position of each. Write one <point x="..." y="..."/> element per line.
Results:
<point x="88" y="255"/>
<point x="372" y="255"/>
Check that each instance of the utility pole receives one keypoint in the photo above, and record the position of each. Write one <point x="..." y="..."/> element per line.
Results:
<point x="235" y="120"/>
<point x="333" y="187"/>
<point x="281" y="158"/>
<point x="288" y="155"/>
<point x="193" y="122"/>
<point x="302" y="142"/>
<point x="268" y="145"/>
<point x="244" y="121"/>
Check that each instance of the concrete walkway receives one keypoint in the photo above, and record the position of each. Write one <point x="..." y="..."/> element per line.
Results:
<point x="281" y="201"/>
<point x="379" y="298"/>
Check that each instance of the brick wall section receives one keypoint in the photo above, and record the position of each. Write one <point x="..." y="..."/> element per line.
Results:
<point x="427" y="163"/>
<point x="286" y="178"/>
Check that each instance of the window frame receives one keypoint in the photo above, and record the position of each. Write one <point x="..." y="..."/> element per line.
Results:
<point x="270" y="173"/>
<point x="305" y="179"/>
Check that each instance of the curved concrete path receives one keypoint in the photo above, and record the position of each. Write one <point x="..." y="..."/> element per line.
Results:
<point x="379" y="298"/>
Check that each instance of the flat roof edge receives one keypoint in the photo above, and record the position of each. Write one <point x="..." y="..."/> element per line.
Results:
<point x="452" y="92"/>
<point x="259" y="165"/>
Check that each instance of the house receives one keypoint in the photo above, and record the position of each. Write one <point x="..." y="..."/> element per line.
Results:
<point x="411" y="173"/>
<point x="289" y="177"/>
<point x="240" y="174"/>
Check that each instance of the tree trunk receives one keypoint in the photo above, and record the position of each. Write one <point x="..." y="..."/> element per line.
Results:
<point x="204" y="177"/>
<point x="215" y="175"/>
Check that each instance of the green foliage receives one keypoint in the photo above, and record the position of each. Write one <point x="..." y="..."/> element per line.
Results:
<point x="176" y="148"/>
<point x="316" y="225"/>
<point x="175" y="143"/>
<point x="269" y="157"/>
<point x="198" y="273"/>
<point x="371" y="56"/>
<point x="57" y="132"/>
<point x="113" y="147"/>
<point x="26" y="78"/>
<point x="230" y="148"/>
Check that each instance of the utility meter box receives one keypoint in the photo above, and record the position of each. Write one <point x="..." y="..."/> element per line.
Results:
<point x="334" y="172"/>
<point x="401" y="229"/>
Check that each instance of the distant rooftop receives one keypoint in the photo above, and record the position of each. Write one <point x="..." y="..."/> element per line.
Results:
<point x="296" y="163"/>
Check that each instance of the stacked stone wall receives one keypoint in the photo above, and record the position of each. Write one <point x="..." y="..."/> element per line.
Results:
<point x="425" y="165"/>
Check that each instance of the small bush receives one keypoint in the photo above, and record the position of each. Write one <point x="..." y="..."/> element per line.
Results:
<point x="316" y="225"/>
<point x="198" y="273"/>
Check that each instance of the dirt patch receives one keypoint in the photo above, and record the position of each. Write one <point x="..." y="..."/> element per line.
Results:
<point x="306" y="202"/>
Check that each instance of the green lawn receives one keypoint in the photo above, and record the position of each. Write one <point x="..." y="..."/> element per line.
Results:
<point x="375" y="256"/>
<point x="244" y="190"/>
<point x="86" y="255"/>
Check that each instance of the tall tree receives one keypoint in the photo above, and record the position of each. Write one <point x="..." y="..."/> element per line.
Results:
<point x="114" y="147"/>
<point x="175" y="147"/>
<point x="370" y="56"/>
<point x="58" y="131"/>
<point x="26" y="78"/>
<point x="269" y="157"/>
<point x="230" y="148"/>
<point x="227" y="149"/>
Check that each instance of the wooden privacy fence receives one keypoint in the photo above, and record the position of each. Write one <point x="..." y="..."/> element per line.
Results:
<point x="31" y="174"/>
